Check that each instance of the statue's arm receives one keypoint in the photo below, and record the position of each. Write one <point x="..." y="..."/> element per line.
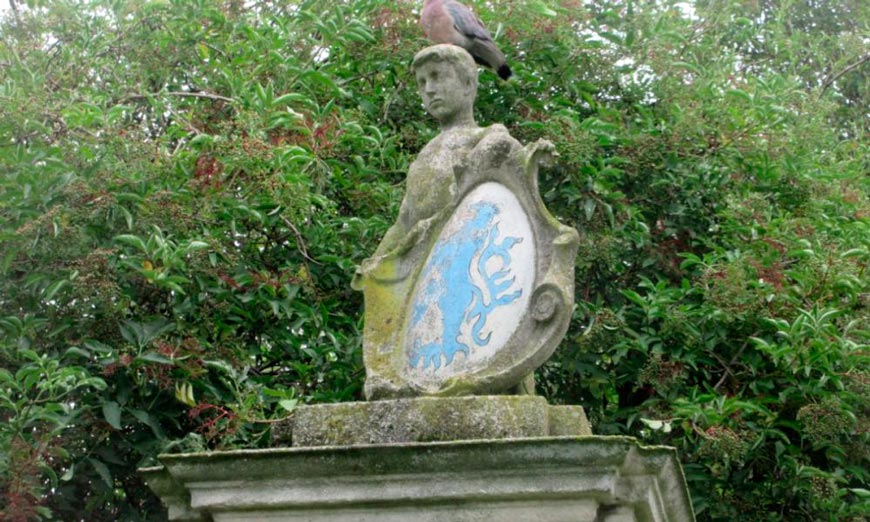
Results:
<point x="497" y="140"/>
<point x="540" y="153"/>
<point x="391" y="239"/>
<point x="401" y="238"/>
<point x="396" y="233"/>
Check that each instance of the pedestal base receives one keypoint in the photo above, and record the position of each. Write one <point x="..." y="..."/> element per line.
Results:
<point x="551" y="479"/>
<point x="429" y="419"/>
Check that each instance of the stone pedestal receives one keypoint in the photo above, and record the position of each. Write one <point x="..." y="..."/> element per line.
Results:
<point x="459" y="459"/>
<point x="548" y="479"/>
<point x="429" y="419"/>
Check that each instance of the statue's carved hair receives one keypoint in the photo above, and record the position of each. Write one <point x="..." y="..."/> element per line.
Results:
<point x="452" y="54"/>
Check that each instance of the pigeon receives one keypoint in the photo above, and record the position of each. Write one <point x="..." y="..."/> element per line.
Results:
<point x="448" y="21"/>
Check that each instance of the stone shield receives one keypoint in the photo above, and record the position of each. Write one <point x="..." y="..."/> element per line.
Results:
<point x="475" y="284"/>
<point x="485" y="293"/>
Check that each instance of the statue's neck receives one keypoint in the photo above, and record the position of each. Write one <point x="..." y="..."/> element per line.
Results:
<point x="464" y="121"/>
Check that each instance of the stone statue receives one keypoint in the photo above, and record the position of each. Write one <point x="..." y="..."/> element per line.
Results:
<point x="469" y="291"/>
<point x="472" y="288"/>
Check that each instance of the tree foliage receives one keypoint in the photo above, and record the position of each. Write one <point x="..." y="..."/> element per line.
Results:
<point x="187" y="185"/>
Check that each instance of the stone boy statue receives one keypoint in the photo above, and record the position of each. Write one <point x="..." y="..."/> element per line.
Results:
<point x="472" y="287"/>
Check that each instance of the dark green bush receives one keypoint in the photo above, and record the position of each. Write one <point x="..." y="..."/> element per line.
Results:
<point x="187" y="185"/>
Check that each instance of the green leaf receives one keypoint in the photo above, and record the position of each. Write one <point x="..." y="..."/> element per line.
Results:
<point x="149" y="421"/>
<point x="77" y="351"/>
<point x="7" y="259"/>
<point x="184" y="393"/>
<point x="542" y="8"/>
<point x="197" y="245"/>
<point x="155" y="358"/>
<point x="688" y="66"/>
<point x="95" y="382"/>
<point x="740" y="95"/>
<point x="288" y="404"/>
<point x="103" y="471"/>
<point x="589" y="208"/>
<point x="653" y="424"/>
<point x="68" y="474"/>
<point x="97" y="346"/>
<point x="112" y="414"/>
<point x="135" y="241"/>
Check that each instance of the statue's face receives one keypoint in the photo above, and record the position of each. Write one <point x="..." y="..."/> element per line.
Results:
<point x="445" y="95"/>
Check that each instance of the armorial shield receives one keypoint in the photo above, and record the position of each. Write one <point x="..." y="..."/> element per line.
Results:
<point x="474" y="298"/>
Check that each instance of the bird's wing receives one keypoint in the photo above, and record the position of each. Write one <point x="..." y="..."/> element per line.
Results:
<point x="466" y="22"/>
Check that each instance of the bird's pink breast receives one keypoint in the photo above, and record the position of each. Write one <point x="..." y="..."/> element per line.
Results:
<point x="438" y="25"/>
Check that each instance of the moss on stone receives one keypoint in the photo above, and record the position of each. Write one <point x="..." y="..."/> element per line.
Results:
<point x="429" y="419"/>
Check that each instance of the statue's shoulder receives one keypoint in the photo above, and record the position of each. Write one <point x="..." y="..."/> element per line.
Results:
<point x="495" y="129"/>
<point x="496" y="139"/>
<point x="498" y="132"/>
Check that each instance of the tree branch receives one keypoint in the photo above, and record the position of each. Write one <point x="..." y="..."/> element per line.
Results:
<point x="830" y="81"/>
<point x="14" y="6"/>
<point x="181" y="94"/>
<point x="300" y="243"/>
<point x="727" y="367"/>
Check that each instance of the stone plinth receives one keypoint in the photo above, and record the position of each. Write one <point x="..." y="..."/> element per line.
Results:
<point x="552" y="479"/>
<point x="429" y="419"/>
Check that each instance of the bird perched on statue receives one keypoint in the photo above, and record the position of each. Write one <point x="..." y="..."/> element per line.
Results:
<point x="447" y="21"/>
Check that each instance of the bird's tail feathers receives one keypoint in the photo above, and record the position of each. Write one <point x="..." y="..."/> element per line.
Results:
<point x="481" y="61"/>
<point x="485" y="52"/>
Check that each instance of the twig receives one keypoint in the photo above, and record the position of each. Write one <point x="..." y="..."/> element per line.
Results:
<point x="300" y="244"/>
<point x="698" y="431"/>
<point x="389" y="101"/>
<point x="727" y="367"/>
<point x="270" y="421"/>
<point x="181" y="94"/>
<point x="186" y="122"/>
<point x="14" y="5"/>
<point x="845" y="71"/>
<point x="215" y="49"/>
<point x="181" y="143"/>
<point x="302" y="70"/>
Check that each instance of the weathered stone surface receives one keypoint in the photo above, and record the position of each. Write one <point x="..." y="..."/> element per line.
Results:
<point x="564" y="479"/>
<point x="568" y="421"/>
<point x="472" y="288"/>
<point x="174" y="495"/>
<point x="427" y="419"/>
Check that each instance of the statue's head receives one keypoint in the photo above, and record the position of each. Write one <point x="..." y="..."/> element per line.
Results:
<point x="447" y="80"/>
